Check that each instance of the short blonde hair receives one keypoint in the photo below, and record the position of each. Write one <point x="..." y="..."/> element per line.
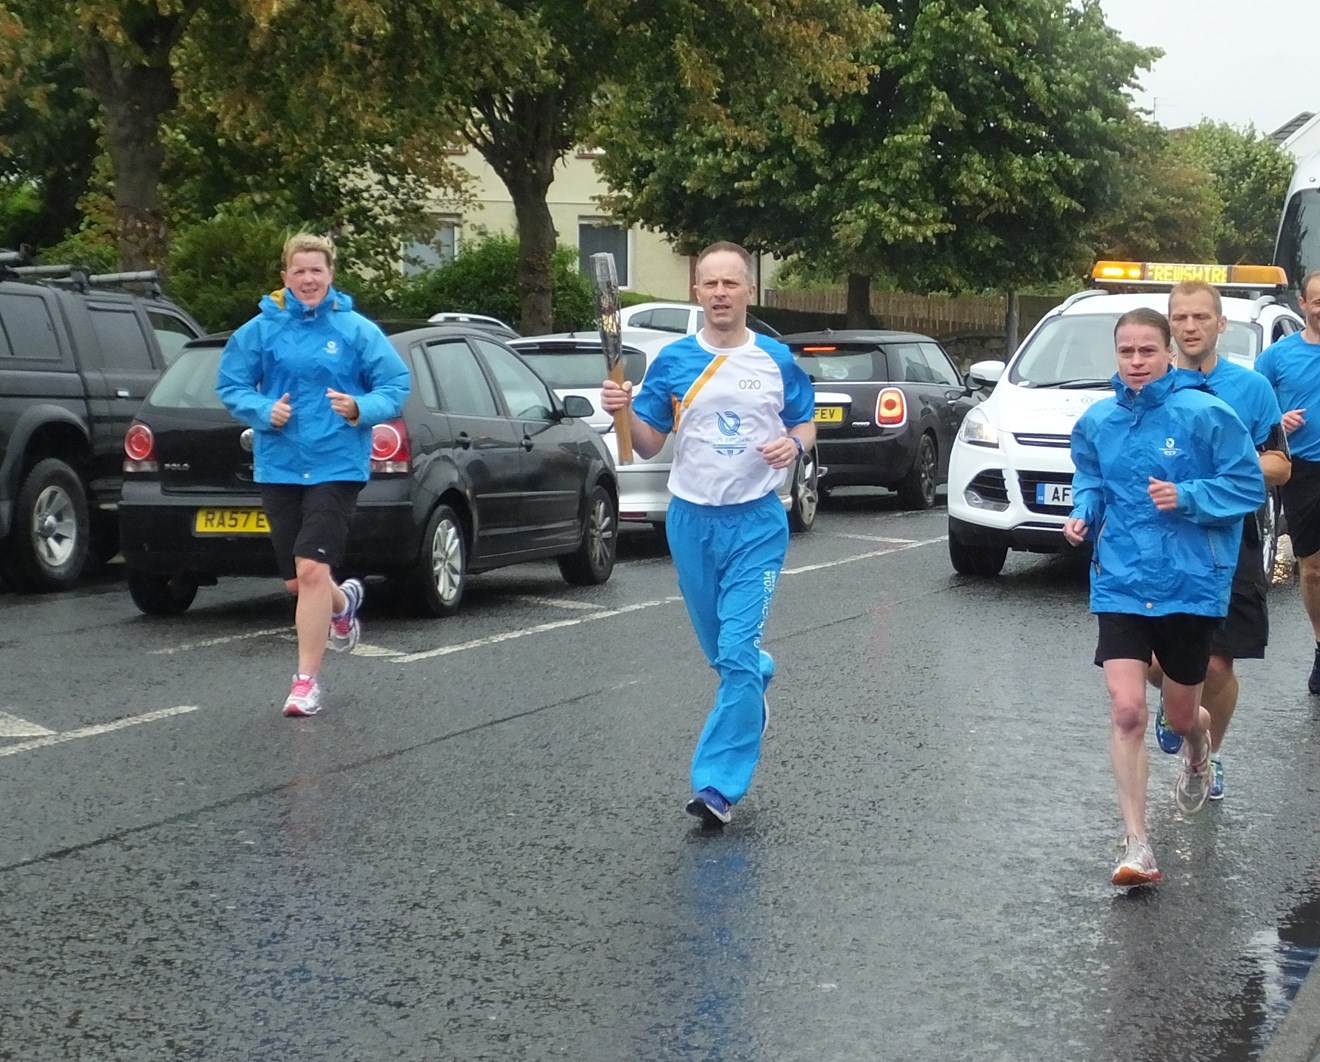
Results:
<point x="308" y="241"/>
<point x="1196" y="287"/>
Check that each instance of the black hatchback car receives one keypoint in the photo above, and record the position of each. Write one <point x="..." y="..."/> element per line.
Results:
<point x="888" y="406"/>
<point x="486" y="467"/>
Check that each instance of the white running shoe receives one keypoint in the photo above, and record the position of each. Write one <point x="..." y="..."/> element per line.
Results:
<point x="345" y="631"/>
<point x="304" y="696"/>
<point x="1195" y="780"/>
<point x="1136" y="864"/>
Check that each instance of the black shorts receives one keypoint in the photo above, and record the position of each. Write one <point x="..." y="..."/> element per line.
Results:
<point x="1245" y="631"/>
<point x="1181" y="642"/>
<point x="1301" y="506"/>
<point x="309" y="522"/>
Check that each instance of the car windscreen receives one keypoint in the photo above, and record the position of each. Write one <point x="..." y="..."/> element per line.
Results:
<point x="1080" y="348"/>
<point x="580" y="368"/>
<point x="842" y="364"/>
<point x="190" y="382"/>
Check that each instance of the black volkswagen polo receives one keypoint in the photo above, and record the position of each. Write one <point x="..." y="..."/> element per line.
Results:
<point x="486" y="467"/>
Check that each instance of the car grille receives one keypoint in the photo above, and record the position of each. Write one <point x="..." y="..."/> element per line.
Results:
<point x="1057" y="442"/>
<point x="990" y="485"/>
<point x="1027" y="481"/>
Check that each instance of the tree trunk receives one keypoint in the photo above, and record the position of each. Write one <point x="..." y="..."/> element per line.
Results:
<point x="1011" y="325"/>
<point x="859" y="301"/>
<point x="134" y="98"/>
<point x="536" y="248"/>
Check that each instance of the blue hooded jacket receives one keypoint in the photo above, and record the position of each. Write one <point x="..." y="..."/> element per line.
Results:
<point x="1152" y="563"/>
<point x="291" y="349"/>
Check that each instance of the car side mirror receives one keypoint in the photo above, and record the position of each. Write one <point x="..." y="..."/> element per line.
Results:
<point x="984" y="375"/>
<point x="578" y="407"/>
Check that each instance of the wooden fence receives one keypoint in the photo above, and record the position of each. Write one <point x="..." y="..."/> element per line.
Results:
<point x="932" y="315"/>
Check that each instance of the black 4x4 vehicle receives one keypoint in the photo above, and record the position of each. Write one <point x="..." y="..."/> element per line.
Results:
<point x="77" y="356"/>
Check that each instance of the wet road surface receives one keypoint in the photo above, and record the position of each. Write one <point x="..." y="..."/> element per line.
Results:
<point x="478" y="850"/>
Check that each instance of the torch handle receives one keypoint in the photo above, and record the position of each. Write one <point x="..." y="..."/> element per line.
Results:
<point x="622" y="424"/>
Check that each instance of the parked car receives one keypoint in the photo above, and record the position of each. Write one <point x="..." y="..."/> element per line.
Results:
<point x="493" y="325"/>
<point x="574" y="364"/>
<point x="888" y="406"/>
<point x="1010" y="481"/>
<point x="485" y="468"/>
<point x="681" y="317"/>
<point x="78" y="352"/>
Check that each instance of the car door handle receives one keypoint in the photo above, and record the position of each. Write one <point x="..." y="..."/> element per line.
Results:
<point x="122" y="393"/>
<point x="464" y="440"/>
<point x="527" y="443"/>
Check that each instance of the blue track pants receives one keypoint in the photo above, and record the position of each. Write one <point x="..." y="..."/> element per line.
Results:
<point x="728" y="559"/>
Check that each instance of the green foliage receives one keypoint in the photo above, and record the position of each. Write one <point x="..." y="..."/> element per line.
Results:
<point x="221" y="267"/>
<point x="1249" y="175"/>
<point x="20" y="208"/>
<point x="88" y="247"/>
<point x="986" y="135"/>
<point x="484" y="279"/>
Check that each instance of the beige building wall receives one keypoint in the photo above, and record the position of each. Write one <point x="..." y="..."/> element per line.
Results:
<point x="652" y="266"/>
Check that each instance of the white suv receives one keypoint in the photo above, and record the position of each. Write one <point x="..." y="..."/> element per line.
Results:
<point x="1010" y="472"/>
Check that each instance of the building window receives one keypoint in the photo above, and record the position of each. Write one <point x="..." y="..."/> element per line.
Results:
<point x="596" y="235"/>
<point x="439" y="249"/>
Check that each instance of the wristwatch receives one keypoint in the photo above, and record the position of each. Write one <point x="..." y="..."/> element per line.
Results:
<point x="798" y="443"/>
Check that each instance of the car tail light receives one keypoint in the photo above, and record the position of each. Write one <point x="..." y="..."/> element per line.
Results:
<point x="140" y="449"/>
<point x="891" y="408"/>
<point x="390" y="451"/>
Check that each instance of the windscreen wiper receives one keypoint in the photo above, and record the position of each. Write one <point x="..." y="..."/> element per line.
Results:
<point x="1073" y="385"/>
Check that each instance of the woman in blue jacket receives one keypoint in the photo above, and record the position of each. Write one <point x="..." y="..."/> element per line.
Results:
<point x="311" y="377"/>
<point x="1165" y="473"/>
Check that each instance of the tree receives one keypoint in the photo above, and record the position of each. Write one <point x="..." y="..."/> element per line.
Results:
<point x="986" y="136"/>
<point x="123" y="50"/>
<point x="1250" y="176"/>
<point x="519" y="80"/>
<point x="1166" y="210"/>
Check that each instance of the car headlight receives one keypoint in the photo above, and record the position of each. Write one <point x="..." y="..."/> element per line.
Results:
<point x="977" y="430"/>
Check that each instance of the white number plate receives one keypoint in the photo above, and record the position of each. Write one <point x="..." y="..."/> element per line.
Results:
<point x="1059" y="494"/>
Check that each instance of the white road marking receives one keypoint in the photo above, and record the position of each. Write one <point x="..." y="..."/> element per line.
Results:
<point x="560" y="602"/>
<point x="363" y="649"/>
<point x="94" y="731"/>
<point x="896" y="546"/>
<point x="11" y="726"/>
<point x="865" y="556"/>
<point x="207" y="643"/>
<point x="868" y="538"/>
<point x="508" y="636"/>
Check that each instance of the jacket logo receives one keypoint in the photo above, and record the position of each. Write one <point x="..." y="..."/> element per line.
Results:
<point x="332" y="347"/>
<point x="1171" y="447"/>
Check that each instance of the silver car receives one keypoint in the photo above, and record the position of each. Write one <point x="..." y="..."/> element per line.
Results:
<point x="573" y="363"/>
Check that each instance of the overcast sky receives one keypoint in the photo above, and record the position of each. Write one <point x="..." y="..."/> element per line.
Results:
<point x="1231" y="61"/>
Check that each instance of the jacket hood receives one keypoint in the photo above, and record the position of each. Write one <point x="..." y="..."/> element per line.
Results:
<point x="282" y="299"/>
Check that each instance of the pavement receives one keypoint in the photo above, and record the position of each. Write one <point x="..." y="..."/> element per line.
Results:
<point x="1299" y="1039"/>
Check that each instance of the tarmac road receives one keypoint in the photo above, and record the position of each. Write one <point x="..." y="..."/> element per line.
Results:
<point x="478" y="850"/>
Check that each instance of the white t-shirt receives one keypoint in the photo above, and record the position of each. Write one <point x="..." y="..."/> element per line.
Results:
<point x="721" y="404"/>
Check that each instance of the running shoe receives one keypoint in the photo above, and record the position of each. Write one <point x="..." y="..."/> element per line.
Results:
<point x="765" y="714"/>
<point x="1135" y="865"/>
<point x="304" y="697"/>
<point x="345" y="630"/>
<point x="1169" y="740"/>
<point x="1192" y="789"/>
<point x="1217" y="785"/>
<point x="1313" y="683"/>
<point x="710" y="807"/>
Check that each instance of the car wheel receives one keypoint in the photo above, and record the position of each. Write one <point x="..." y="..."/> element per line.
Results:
<point x="160" y="595"/>
<point x="917" y="491"/>
<point x="593" y="561"/>
<point x="970" y="559"/>
<point x="441" y="573"/>
<point x="806" y="492"/>
<point x="49" y="539"/>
